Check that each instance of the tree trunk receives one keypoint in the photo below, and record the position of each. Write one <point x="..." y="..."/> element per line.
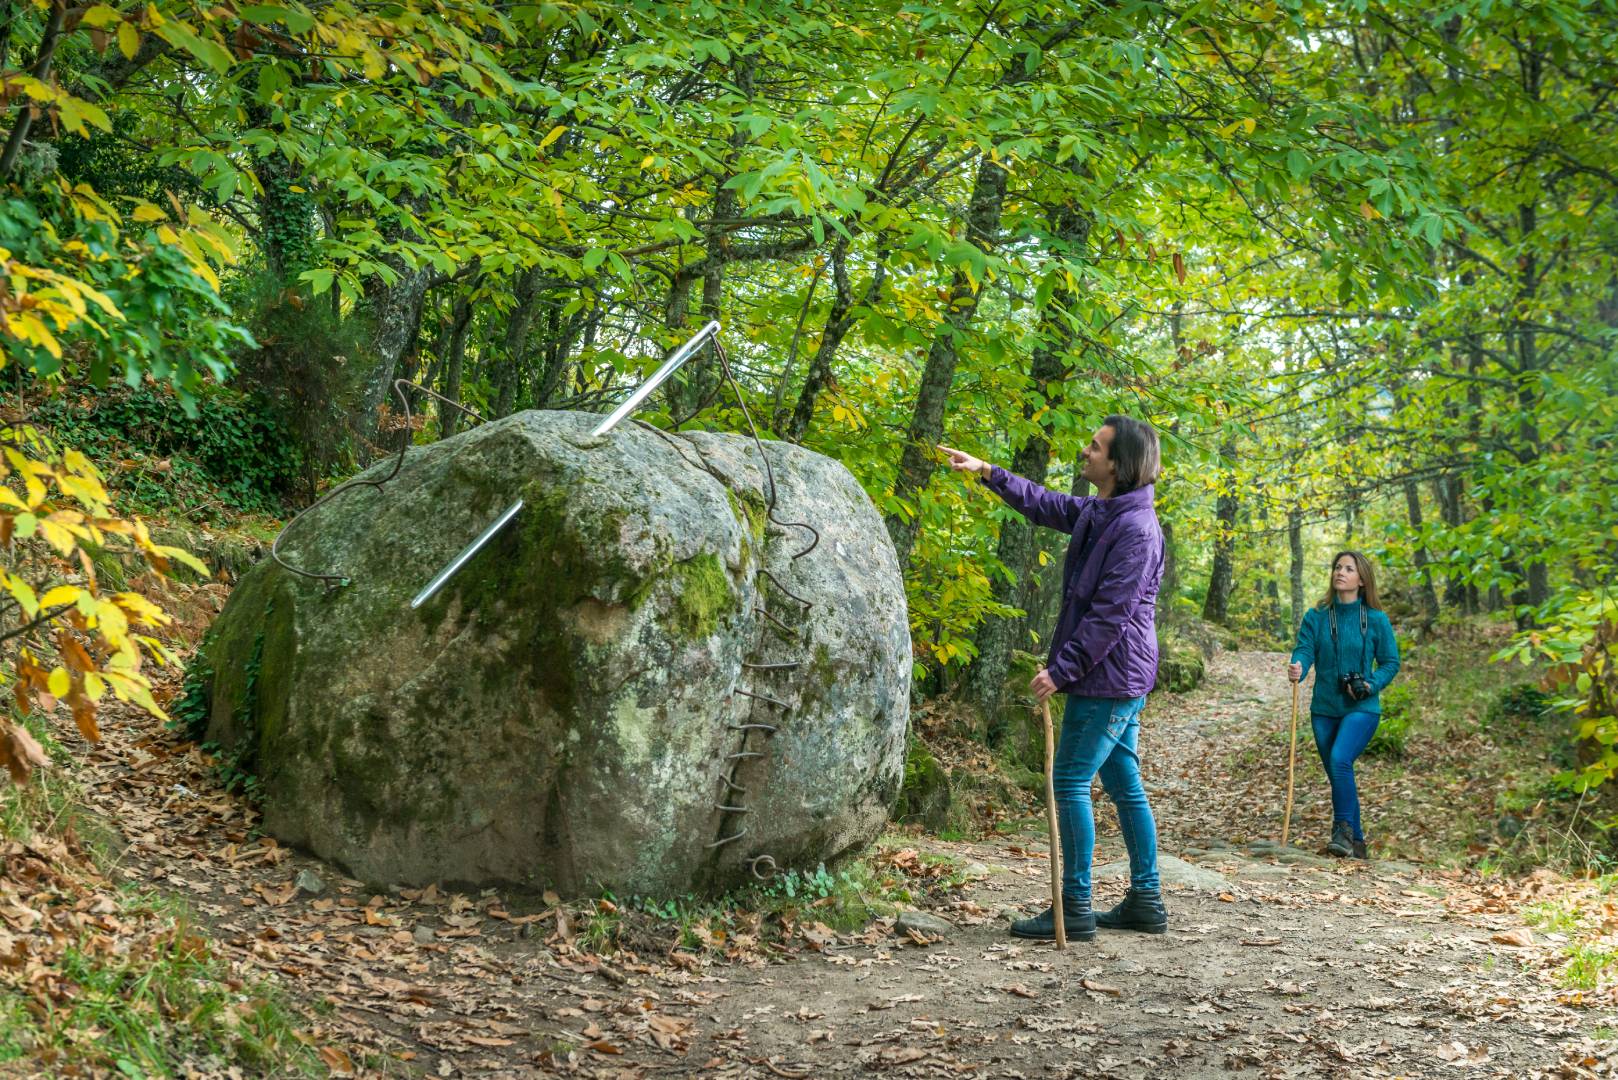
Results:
<point x="394" y="312"/>
<point x="1429" y="595"/>
<point x="515" y="341"/>
<point x="1447" y="493"/>
<point x="699" y="378"/>
<point x="1295" y="545"/>
<point x="449" y="420"/>
<point x="839" y="320"/>
<point x="1216" y="606"/>
<point x="927" y="421"/>
<point x="1171" y="567"/>
<point x="1017" y="547"/>
<point x="49" y="39"/>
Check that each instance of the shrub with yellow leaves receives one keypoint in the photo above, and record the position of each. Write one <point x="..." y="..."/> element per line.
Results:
<point x="64" y="642"/>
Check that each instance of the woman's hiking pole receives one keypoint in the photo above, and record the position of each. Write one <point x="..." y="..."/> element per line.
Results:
<point x="1292" y="765"/>
<point x="1059" y="917"/>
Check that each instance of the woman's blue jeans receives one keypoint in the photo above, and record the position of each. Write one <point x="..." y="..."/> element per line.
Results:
<point x="1099" y="736"/>
<point x="1341" y="739"/>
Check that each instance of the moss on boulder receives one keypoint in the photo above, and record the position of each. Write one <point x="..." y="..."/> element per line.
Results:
<point x="562" y="713"/>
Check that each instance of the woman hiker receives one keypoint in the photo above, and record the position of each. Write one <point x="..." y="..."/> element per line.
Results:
<point x="1340" y="637"/>
<point x="1103" y="655"/>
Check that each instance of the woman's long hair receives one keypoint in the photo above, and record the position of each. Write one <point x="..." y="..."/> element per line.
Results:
<point x="1367" y="581"/>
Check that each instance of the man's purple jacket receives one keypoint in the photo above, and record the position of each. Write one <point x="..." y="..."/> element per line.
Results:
<point x="1105" y="643"/>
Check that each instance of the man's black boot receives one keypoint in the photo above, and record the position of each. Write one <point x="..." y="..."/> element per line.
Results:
<point x="1077" y="919"/>
<point x="1141" y="909"/>
<point x="1359" y="850"/>
<point x="1342" y="840"/>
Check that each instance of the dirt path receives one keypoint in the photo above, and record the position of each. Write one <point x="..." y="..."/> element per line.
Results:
<point x="1278" y="963"/>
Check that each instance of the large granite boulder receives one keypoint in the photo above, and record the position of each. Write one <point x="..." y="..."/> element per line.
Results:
<point x="581" y="704"/>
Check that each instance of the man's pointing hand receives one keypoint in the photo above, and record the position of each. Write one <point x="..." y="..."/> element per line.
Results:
<point x="961" y="461"/>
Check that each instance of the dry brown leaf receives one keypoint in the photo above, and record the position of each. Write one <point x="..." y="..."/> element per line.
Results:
<point x="20" y="752"/>
<point x="277" y="896"/>
<point x="1100" y="988"/>
<point x="1518" y="938"/>
<point x="338" y="1062"/>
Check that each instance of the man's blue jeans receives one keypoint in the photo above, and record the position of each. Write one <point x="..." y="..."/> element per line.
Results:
<point x="1099" y="735"/>
<point x="1341" y="739"/>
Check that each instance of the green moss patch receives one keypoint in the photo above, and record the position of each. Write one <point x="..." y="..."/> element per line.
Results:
<point x="702" y="596"/>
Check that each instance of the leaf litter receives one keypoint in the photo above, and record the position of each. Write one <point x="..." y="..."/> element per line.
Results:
<point x="1269" y="975"/>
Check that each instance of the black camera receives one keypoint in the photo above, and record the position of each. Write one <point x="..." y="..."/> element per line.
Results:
<point x="1354" y="686"/>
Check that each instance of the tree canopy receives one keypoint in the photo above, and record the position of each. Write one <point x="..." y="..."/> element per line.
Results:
<point x="1355" y="260"/>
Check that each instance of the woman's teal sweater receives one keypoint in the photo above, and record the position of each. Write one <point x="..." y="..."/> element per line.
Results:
<point x="1376" y="656"/>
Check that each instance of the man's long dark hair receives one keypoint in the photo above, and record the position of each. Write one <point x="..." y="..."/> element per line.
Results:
<point x="1134" y="453"/>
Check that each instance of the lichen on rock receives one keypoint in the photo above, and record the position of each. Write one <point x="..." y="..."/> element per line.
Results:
<point x="563" y="712"/>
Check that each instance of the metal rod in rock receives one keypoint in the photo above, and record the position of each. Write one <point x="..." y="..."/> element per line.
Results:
<point x="467" y="552"/>
<point x="669" y="367"/>
<point x="672" y="364"/>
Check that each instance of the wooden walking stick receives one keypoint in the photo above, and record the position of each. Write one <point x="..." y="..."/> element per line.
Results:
<point x="1050" y="819"/>
<point x="1292" y="765"/>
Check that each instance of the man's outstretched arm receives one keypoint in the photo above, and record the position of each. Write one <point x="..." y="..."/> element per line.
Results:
<point x="1040" y="505"/>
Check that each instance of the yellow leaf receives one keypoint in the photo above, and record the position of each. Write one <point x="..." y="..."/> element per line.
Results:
<point x="1250" y="124"/>
<point x="23" y="593"/>
<point x="141" y="609"/>
<point x="59" y="683"/>
<point x="147" y="212"/>
<point x="95" y="687"/>
<point x="555" y="133"/>
<point x="128" y="40"/>
<point x="1369" y="212"/>
<point x="61" y="594"/>
<point x="182" y="556"/>
<point x="31" y="328"/>
<point x="101" y="16"/>
<point x="58" y="536"/>
<point x="134" y="688"/>
<point x="112" y="622"/>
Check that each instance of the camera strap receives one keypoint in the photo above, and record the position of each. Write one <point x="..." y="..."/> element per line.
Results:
<point x="1337" y="646"/>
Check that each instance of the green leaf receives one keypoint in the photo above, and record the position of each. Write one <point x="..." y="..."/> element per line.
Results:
<point x="319" y="280"/>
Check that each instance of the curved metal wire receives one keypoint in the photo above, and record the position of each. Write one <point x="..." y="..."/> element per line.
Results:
<point x="769" y="473"/>
<point x="333" y="582"/>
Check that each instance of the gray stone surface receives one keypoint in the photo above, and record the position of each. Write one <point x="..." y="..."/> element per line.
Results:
<point x="309" y="882"/>
<point x="923" y="923"/>
<point x="560" y="714"/>
<point x="1175" y="873"/>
